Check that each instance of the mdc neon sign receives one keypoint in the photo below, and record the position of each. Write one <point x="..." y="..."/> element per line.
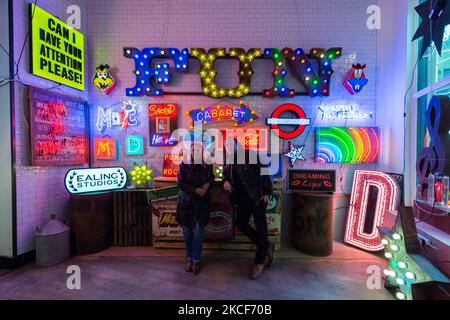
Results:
<point x="313" y="70"/>
<point x="362" y="229"/>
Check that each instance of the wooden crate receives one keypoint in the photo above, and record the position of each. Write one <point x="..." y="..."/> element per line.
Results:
<point x="240" y="242"/>
<point x="132" y="219"/>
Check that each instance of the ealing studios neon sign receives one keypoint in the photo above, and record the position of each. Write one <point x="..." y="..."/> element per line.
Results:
<point x="313" y="70"/>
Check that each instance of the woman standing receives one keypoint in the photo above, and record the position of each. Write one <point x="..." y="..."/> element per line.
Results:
<point x="193" y="207"/>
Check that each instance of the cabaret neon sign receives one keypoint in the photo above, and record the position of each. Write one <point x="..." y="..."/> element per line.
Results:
<point x="313" y="70"/>
<point x="241" y="114"/>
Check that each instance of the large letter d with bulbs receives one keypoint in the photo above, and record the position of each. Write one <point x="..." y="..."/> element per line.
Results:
<point x="373" y="194"/>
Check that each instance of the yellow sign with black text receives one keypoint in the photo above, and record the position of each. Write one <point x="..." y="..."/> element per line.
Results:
<point x="57" y="50"/>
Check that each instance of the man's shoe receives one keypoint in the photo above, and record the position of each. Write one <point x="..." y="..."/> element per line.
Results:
<point x="270" y="251"/>
<point x="257" y="271"/>
<point x="196" y="268"/>
<point x="188" y="267"/>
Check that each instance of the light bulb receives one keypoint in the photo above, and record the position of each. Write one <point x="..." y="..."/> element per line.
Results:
<point x="402" y="265"/>
<point x="394" y="247"/>
<point x="388" y="255"/>
<point x="396" y="236"/>
<point x="410" y="275"/>
<point x="400" y="296"/>
<point x="400" y="281"/>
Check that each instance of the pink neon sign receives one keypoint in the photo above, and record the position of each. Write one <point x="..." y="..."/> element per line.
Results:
<point x="387" y="199"/>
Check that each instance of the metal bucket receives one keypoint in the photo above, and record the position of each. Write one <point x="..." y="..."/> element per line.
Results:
<point x="52" y="243"/>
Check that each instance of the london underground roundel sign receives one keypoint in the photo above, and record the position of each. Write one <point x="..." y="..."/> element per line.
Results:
<point x="299" y="121"/>
<point x="95" y="179"/>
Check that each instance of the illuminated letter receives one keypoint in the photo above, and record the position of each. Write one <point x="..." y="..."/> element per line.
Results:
<point x="103" y="119"/>
<point x="316" y="82"/>
<point x="208" y="73"/>
<point x="279" y="72"/>
<point x="144" y="70"/>
<point x="362" y="230"/>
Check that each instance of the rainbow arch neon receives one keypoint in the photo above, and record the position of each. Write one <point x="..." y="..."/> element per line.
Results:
<point x="347" y="145"/>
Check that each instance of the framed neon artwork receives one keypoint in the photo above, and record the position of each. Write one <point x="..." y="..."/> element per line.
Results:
<point x="347" y="145"/>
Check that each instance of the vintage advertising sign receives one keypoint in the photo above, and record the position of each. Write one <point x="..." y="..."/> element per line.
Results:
<point x="163" y="121"/>
<point x="312" y="180"/>
<point x="95" y="179"/>
<point x="162" y="194"/>
<point x="59" y="130"/>
<point x="56" y="49"/>
<point x="251" y="138"/>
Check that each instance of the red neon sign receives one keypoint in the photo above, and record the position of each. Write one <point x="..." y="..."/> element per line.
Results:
<point x="253" y="138"/>
<point x="170" y="165"/>
<point x="300" y="121"/>
<point x="163" y="110"/>
<point x="356" y="232"/>
<point x="105" y="149"/>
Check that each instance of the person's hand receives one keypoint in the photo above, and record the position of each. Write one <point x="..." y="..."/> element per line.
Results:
<point x="206" y="186"/>
<point x="265" y="198"/>
<point x="227" y="186"/>
<point x="200" y="191"/>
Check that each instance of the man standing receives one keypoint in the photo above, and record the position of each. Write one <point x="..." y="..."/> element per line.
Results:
<point x="250" y="193"/>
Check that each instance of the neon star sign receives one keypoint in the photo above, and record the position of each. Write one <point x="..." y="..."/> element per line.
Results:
<point x="240" y="115"/>
<point x="299" y="121"/>
<point x="295" y="153"/>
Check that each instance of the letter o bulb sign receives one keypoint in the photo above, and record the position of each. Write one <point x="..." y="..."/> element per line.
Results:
<point x="300" y="121"/>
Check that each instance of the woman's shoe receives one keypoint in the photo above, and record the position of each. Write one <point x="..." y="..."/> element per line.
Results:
<point x="196" y="268"/>
<point x="189" y="265"/>
<point x="257" y="271"/>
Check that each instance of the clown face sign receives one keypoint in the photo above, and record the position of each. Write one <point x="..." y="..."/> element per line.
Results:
<point x="103" y="79"/>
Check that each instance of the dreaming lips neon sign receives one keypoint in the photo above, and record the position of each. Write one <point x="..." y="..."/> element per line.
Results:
<point x="313" y="70"/>
<point x="241" y="114"/>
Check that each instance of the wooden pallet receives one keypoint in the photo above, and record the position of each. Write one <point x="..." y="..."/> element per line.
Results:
<point x="240" y="243"/>
<point x="132" y="219"/>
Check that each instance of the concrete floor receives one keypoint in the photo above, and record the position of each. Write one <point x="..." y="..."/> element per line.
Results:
<point x="147" y="273"/>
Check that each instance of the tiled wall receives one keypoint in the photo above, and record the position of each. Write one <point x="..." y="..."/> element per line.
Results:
<point x="114" y="24"/>
<point x="208" y="24"/>
<point x="40" y="190"/>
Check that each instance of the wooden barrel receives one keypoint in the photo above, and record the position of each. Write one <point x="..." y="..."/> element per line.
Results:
<point x="221" y="221"/>
<point x="312" y="223"/>
<point x="91" y="222"/>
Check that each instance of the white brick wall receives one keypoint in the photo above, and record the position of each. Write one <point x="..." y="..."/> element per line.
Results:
<point x="235" y="23"/>
<point x="40" y="190"/>
<point x="114" y="24"/>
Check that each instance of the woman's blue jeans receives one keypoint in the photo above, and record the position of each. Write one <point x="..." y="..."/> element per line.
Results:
<point x="193" y="241"/>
